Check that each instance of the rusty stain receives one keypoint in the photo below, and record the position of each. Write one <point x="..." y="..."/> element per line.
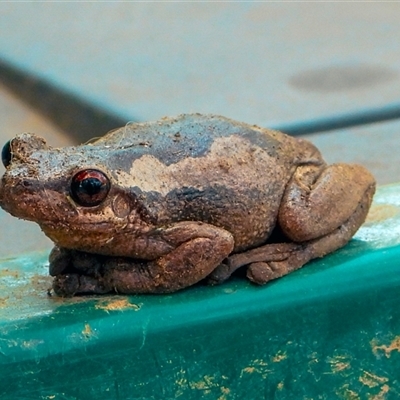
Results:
<point x="224" y="393"/>
<point x="9" y="273"/>
<point x="372" y="380"/>
<point x="381" y="212"/>
<point x="340" y="366"/>
<point x="387" y="349"/>
<point x="381" y="395"/>
<point x="280" y="356"/>
<point x="118" y="305"/>
<point x="208" y="385"/>
<point x="3" y="301"/>
<point x="258" y="366"/>
<point x="339" y="363"/>
<point x="347" y="394"/>
<point x="41" y="282"/>
<point x="248" y="370"/>
<point x="87" y="331"/>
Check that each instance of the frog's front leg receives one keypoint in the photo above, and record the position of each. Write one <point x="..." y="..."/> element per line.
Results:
<point x="321" y="210"/>
<point x="198" y="248"/>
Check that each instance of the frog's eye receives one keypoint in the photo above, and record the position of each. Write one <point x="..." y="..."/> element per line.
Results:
<point x="89" y="187"/>
<point x="6" y="154"/>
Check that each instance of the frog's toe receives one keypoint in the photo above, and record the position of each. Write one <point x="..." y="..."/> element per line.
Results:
<point x="263" y="272"/>
<point x="71" y="284"/>
<point x="59" y="261"/>
<point x="219" y="275"/>
<point x="66" y="285"/>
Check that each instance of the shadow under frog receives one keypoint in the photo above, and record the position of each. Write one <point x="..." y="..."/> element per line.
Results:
<point x="156" y="207"/>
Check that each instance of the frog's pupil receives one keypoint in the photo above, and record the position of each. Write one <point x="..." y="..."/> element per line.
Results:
<point x="6" y="154"/>
<point x="91" y="186"/>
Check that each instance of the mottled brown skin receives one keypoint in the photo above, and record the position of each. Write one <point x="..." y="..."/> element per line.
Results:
<point x="191" y="197"/>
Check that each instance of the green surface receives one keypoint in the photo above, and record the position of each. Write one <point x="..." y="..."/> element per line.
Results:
<point x="330" y="330"/>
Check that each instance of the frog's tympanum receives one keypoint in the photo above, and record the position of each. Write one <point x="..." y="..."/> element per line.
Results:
<point x="156" y="207"/>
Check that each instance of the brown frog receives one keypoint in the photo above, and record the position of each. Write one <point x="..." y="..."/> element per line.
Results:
<point x="156" y="207"/>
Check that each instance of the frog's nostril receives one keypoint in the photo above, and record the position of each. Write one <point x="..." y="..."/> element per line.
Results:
<point x="6" y="154"/>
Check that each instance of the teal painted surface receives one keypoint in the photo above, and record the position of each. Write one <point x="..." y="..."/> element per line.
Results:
<point x="329" y="330"/>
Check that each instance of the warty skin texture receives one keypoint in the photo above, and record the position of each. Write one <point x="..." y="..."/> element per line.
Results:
<point x="188" y="197"/>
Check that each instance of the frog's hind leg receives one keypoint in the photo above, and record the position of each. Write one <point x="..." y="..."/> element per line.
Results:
<point x="321" y="210"/>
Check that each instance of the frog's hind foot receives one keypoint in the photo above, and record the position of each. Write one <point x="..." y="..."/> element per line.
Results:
<point x="263" y="263"/>
<point x="273" y="261"/>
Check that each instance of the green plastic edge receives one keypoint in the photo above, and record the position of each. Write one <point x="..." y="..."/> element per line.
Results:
<point x="329" y="330"/>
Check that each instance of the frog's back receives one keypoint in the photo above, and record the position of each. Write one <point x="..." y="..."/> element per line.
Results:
<point x="171" y="140"/>
<point x="206" y="168"/>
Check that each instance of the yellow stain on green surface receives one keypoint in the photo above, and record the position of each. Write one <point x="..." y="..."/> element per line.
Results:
<point x="371" y="380"/>
<point x="381" y="212"/>
<point x="210" y="386"/>
<point x="346" y="393"/>
<point x="87" y="331"/>
<point x="339" y="363"/>
<point x="117" y="305"/>
<point x="258" y="366"/>
<point x="381" y="395"/>
<point x="279" y="356"/>
<point x="394" y="345"/>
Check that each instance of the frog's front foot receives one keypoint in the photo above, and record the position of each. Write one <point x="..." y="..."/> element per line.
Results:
<point x="70" y="284"/>
<point x="198" y="249"/>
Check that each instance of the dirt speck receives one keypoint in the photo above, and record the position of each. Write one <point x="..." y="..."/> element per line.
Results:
<point x="3" y="301"/>
<point x="117" y="305"/>
<point x="9" y="273"/>
<point x="41" y="282"/>
<point x="87" y="331"/>
<point x="248" y="370"/>
<point x="280" y="356"/>
<point x="31" y="344"/>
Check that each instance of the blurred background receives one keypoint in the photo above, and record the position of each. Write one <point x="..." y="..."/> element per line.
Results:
<point x="327" y="71"/>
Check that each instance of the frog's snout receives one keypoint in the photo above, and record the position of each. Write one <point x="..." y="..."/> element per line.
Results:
<point x="21" y="147"/>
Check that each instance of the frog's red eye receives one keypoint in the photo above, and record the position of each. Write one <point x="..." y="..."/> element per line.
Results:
<point x="89" y="187"/>
<point x="6" y="155"/>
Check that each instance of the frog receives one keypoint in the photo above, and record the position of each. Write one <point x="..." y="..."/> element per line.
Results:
<point x="160" y="206"/>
